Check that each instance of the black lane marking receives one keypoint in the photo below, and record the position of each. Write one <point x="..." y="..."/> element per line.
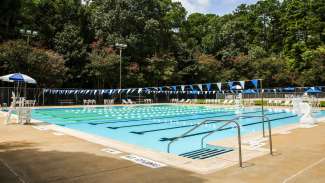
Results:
<point x="170" y="128"/>
<point x="130" y="120"/>
<point x="122" y="121"/>
<point x="146" y="124"/>
<point x="205" y="132"/>
<point x="143" y="119"/>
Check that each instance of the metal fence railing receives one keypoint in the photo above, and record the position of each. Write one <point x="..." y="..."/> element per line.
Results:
<point x="61" y="99"/>
<point x="29" y="93"/>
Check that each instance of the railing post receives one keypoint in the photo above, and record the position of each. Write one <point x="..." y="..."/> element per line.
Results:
<point x="43" y="97"/>
<point x="270" y="135"/>
<point x="239" y="145"/>
<point x="262" y="99"/>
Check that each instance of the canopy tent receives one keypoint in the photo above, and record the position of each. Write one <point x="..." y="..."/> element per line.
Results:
<point x="18" y="77"/>
<point x="289" y="89"/>
<point x="249" y="91"/>
<point x="236" y="87"/>
<point x="313" y="90"/>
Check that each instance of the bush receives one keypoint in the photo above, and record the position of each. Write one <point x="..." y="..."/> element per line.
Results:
<point x="259" y="102"/>
<point x="200" y="101"/>
<point x="47" y="67"/>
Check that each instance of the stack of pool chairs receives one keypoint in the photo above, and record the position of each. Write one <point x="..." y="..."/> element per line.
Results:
<point x="211" y="101"/>
<point x="89" y="102"/>
<point x="108" y="101"/>
<point x="175" y="100"/>
<point x="147" y="101"/>
<point x="279" y="102"/>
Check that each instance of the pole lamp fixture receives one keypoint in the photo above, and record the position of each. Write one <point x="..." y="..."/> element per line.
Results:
<point x="28" y="33"/>
<point x="120" y="47"/>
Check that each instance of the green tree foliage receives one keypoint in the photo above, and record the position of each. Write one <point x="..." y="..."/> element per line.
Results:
<point x="103" y="66"/>
<point x="9" y="13"/>
<point x="69" y="43"/>
<point x="279" y="41"/>
<point x="46" y="66"/>
<point x="160" y="70"/>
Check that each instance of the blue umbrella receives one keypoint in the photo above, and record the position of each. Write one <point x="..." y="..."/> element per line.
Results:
<point x="313" y="90"/>
<point x="18" y="77"/>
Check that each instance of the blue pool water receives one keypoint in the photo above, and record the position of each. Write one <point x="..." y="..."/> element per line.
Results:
<point x="153" y="126"/>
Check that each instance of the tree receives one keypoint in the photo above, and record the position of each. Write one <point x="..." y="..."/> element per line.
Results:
<point x="9" y="13"/>
<point x="50" y="17"/>
<point x="278" y="40"/>
<point x="69" y="43"/>
<point x="46" y="66"/>
<point x="104" y="67"/>
<point x="160" y="71"/>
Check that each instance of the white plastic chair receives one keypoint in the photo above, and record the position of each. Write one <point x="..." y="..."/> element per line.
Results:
<point x="130" y="101"/>
<point x="225" y="102"/>
<point x="124" y="101"/>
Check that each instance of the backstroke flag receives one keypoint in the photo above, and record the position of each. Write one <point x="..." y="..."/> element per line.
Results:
<point x="209" y="86"/>
<point x="242" y="84"/>
<point x="200" y="86"/>
<point x="255" y="83"/>
<point x="219" y="86"/>
<point x="191" y="86"/>
<point x="230" y="83"/>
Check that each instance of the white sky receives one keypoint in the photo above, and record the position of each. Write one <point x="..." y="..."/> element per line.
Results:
<point x="219" y="7"/>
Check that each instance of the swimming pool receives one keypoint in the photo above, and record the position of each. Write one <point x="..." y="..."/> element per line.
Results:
<point x="154" y="126"/>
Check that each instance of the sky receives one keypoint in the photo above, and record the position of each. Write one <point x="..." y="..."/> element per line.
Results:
<point x="219" y="7"/>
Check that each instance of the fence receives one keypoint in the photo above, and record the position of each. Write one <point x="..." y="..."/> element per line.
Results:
<point x="60" y="99"/>
<point x="29" y="93"/>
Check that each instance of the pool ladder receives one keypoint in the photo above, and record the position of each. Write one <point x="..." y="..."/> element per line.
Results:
<point x="227" y="122"/>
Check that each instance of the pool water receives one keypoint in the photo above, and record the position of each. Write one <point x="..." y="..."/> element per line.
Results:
<point x="154" y="126"/>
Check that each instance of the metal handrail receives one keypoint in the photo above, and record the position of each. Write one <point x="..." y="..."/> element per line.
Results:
<point x="238" y="136"/>
<point x="218" y="129"/>
<point x="187" y="132"/>
<point x="269" y="126"/>
<point x="216" y="121"/>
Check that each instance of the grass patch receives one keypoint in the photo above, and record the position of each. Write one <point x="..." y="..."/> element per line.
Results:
<point x="322" y="103"/>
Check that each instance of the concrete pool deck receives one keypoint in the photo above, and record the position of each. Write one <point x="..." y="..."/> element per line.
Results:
<point x="30" y="155"/>
<point x="205" y="166"/>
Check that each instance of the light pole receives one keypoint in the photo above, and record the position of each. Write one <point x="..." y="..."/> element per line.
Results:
<point x="121" y="47"/>
<point x="28" y="33"/>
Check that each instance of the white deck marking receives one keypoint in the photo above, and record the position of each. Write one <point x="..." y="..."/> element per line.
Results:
<point x="303" y="170"/>
<point x="40" y="128"/>
<point x="58" y="134"/>
<point x="143" y="161"/>
<point x="284" y="132"/>
<point x="111" y="151"/>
